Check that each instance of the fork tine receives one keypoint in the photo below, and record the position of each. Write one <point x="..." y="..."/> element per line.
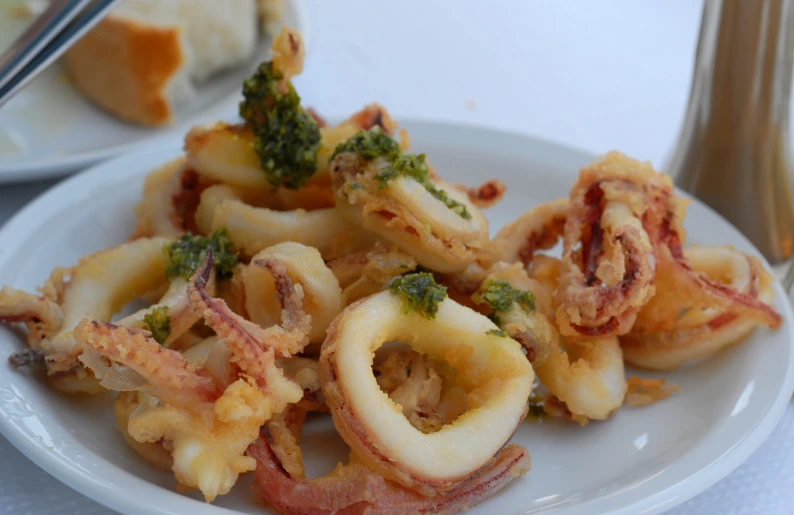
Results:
<point x="43" y="29"/>
<point x="57" y="46"/>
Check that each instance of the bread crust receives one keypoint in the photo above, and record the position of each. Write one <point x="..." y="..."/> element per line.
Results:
<point x="125" y="67"/>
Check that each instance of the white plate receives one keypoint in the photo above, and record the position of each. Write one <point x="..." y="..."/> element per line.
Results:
<point x="50" y="129"/>
<point x="644" y="460"/>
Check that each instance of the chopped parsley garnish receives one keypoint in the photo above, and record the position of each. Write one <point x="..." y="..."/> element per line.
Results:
<point x="287" y="137"/>
<point x="158" y="323"/>
<point x="186" y="253"/>
<point x="497" y="332"/>
<point x="375" y="143"/>
<point x="501" y="297"/>
<point x="369" y="145"/>
<point x="420" y="293"/>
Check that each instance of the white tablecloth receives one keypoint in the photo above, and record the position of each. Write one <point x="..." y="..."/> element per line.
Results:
<point x="596" y="75"/>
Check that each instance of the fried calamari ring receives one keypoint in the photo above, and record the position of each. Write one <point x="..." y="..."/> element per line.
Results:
<point x="156" y="214"/>
<point x="253" y="229"/>
<point x="608" y="265"/>
<point x="404" y="212"/>
<point x="322" y="296"/>
<point x="369" y="271"/>
<point x="540" y="228"/>
<point x="354" y="488"/>
<point x="226" y="153"/>
<point x="587" y="377"/>
<point x="412" y="380"/>
<point x="492" y="369"/>
<point x="99" y="286"/>
<point x="707" y="330"/>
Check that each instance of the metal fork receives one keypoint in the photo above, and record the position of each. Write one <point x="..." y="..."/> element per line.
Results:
<point x="49" y="36"/>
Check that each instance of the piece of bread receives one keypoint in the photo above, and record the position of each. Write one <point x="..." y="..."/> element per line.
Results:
<point x="142" y="61"/>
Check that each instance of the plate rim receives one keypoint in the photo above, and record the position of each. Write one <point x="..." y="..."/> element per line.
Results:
<point x="680" y="491"/>
<point x="28" y="170"/>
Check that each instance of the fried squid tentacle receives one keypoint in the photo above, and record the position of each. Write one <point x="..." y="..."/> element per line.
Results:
<point x="41" y="315"/>
<point x="354" y="488"/>
<point x="252" y="348"/>
<point x="608" y="261"/>
<point x="127" y="359"/>
<point x="99" y="286"/>
<point x="208" y="443"/>
<point x="706" y="330"/>
<point x="684" y="293"/>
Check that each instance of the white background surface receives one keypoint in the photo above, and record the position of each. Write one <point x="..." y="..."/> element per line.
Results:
<point x="596" y="75"/>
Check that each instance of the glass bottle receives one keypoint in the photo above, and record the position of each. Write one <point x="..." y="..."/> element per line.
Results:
<point x="733" y="151"/>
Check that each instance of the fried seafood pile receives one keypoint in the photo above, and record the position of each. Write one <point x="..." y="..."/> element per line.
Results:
<point x="296" y="269"/>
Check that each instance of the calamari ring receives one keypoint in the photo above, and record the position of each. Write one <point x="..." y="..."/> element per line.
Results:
<point x="226" y="153"/>
<point x="253" y="229"/>
<point x="493" y="369"/>
<point x="608" y="264"/>
<point x="103" y="283"/>
<point x="354" y="488"/>
<point x="366" y="272"/>
<point x="370" y="116"/>
<point x="322" y="296"/>
<point x="717" y="328"/>
<point x="588" y="377"/>
<point x="540" y="228"/>
<point x="409" y="216"/>
<point x="155" y="214"/>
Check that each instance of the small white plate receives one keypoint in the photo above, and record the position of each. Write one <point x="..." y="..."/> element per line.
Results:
<point x="49" y="129"/>
<point x="644" y="460"/>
